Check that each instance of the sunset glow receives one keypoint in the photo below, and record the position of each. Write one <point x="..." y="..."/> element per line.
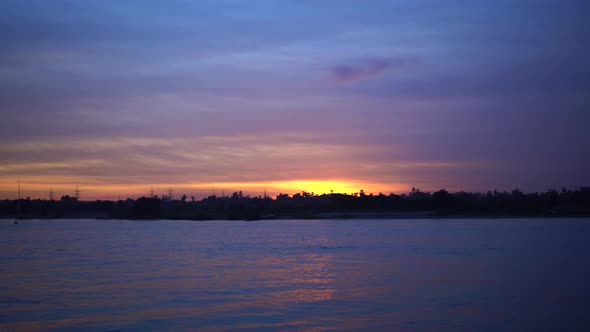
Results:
<point x="209" y="97"/>
<point x="35" y="187"/>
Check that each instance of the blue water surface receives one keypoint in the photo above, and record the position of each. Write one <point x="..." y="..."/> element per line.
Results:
<point x="295" y="275"/>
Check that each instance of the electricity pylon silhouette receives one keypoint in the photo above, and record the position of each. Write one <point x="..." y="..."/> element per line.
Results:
<point x="170" y="193"/>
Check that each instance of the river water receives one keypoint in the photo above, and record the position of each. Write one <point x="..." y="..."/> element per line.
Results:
<point x="295" y="275"/>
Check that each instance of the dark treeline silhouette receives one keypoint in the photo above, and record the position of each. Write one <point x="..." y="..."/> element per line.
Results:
<point x="308" y="205"/>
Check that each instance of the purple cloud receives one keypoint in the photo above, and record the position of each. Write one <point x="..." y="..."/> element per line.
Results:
<point x="365" y="69"/>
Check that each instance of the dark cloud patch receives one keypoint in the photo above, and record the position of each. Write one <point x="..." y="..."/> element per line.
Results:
<point x="367" y="68"/>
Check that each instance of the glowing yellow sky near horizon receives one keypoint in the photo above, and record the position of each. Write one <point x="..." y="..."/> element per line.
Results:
<point x="311" y="186"/>
<point x="109" y="169"/>
<point x="91" y="191"/>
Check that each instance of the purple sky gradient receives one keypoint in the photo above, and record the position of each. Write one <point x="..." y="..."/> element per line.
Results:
<point x="466" y="95"/>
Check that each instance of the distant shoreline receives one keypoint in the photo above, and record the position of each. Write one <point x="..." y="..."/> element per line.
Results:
<point x="326" y="216"/>
<point x="414" y="205"/>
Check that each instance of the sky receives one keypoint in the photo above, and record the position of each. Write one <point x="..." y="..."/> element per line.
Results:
<point x="209" y="97"/>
